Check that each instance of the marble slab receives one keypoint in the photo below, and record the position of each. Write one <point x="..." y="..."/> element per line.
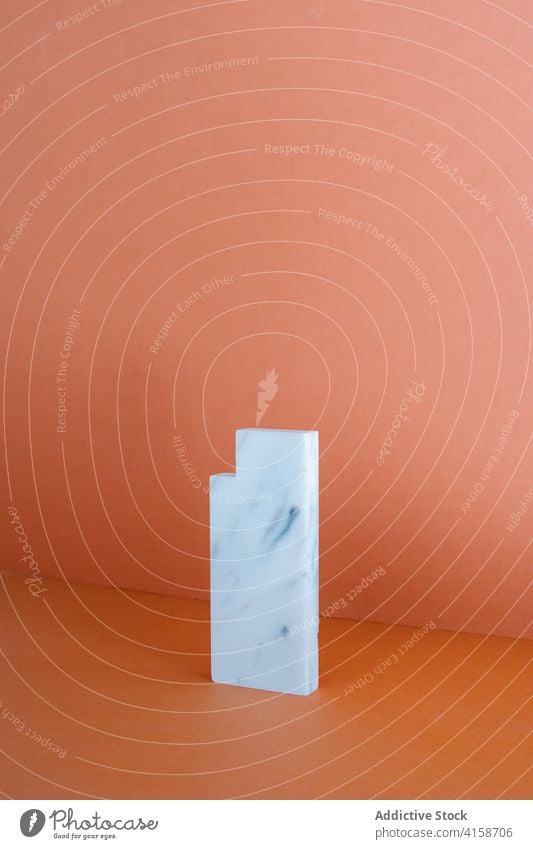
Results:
<point x="264" y="563"/>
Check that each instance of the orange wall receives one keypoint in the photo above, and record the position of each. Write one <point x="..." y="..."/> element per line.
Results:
<point x="412" y="317"/>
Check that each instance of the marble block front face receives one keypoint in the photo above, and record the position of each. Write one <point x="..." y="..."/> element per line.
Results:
<point x="264" y="563"/>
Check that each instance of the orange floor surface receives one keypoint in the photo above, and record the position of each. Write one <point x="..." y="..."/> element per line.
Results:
<point x="107" y="694"/>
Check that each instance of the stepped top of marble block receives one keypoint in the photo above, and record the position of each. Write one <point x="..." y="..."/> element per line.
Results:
<point x="285" y="452"/>
<point x="262" y="448"/>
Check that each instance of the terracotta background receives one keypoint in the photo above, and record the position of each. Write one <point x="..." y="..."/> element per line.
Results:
<point x="181" y="192"/>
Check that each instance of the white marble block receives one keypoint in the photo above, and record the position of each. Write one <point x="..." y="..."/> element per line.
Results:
<point x="264" y="563"/>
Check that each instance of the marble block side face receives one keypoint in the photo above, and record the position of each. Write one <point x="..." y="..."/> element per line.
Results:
<point x="264" y="563"/>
